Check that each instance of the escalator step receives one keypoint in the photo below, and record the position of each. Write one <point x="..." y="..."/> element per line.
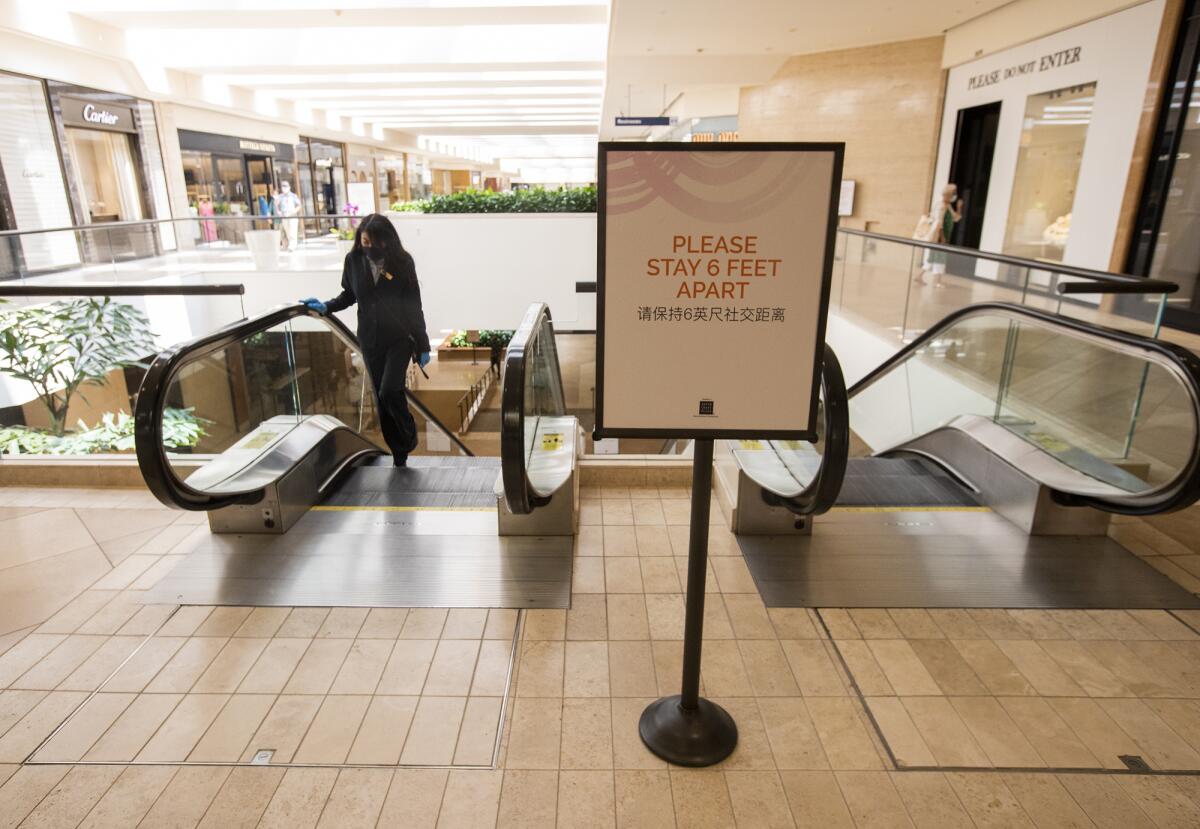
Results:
<point x="901" y="482"/>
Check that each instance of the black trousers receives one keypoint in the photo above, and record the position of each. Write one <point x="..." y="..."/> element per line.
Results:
<point x="388" y="367"/>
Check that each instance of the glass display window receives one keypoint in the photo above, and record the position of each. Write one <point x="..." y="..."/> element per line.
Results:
<point x="1051" y="150"/>
<point x="107" y="175"/>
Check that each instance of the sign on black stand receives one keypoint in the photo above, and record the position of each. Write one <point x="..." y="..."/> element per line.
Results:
<point x="713" y="274"/>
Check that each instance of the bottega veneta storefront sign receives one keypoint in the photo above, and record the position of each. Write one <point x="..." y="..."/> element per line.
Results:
<point x="1045" y="63"/>
<point x="96" y="115"/>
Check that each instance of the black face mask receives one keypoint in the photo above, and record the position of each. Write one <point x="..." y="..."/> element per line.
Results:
<point x="375" y="254"/>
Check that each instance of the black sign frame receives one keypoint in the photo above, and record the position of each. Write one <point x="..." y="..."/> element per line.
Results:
<point x="809" y="432"/>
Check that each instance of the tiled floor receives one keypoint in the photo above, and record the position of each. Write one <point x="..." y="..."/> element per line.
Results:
<point x="1030" y="693"/>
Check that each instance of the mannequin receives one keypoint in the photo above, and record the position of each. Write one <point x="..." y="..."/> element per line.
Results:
<point x="945" y="214"/>
<point x="287" y="205"/>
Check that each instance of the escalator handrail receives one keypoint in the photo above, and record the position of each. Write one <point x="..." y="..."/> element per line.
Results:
<point x="519" y="494"/>
<point x="1182" y="491"/>
<point x="151" y="400"/>
<point x="822" y="492"/>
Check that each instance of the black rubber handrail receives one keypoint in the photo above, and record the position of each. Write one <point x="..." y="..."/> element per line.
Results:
<point x="1182" y="492"/>
<point x="152" y="394"/>
<point x="822" y="492"/>
<point x="1150" y="286"/>
<point x="518" y="492"/>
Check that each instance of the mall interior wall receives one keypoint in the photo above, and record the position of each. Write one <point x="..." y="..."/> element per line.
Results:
<point x="884" y="101"/>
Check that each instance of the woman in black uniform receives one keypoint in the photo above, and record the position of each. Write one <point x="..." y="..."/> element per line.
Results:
<point x="380" y="276"/>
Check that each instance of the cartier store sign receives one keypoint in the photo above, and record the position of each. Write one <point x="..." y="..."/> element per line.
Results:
<point x="79" y="112"/>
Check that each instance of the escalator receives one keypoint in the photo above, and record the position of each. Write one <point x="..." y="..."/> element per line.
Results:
<point x="290" y="443"/>
<point x="1054" y="423"/>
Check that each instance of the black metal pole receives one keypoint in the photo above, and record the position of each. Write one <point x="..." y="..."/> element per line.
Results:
<point x="686" y="729"/>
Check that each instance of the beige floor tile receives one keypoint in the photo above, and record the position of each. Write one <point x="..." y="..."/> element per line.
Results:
<point x="57" y="665"/>
<point x="178" y="735"/>
<point x="1095" y="679"/>
<point x="229" y="735"/>
<point x="356" y="799"/>
<point x="303" y="623"/>
<point x="263" y="622"/>
<point x="997" y="623"/>
<point x="130" y="797"/>
<point x="284" y="727"/>
<point x="1105" y="802"/>
<point x="223" y="621"/>
<point x="813" y="667"/>
<point x="24" y="790"/>
<point x="665" y="614"/>
<point x="956" y="624"/>
<point x="620" y="541"/>
<point x="1160" y="746"/>
<point x="753" y="751"/>
<point x="748" y="616"/>
<point x="586" y="669"/>
<point x="622" y="574"/>
<point x="1037" y="666"/>
<point x="434" y="731"/>
<point x="535" y="734"/>
<point x="944" y="732"/>
<point x="113" y="616"/>
<point x="1179" y="662"/>
<point x="1161" y="800"/>
<point x="41" y="535"/>
<point x="185" y="621"/>
<point x="16" y="704"/>
<point x="319" y="666"/>
<point x="616" y="513"/>
<point x="227" y="670"/>
<point x="589" y="541"/>
<point x="133" y="729"/>
<point x="733" y="576"/>
<point x="586" y="734"/>
<point x="407" y="668"/>
<point x="26" y="654"/>
<point x="792" y="735"/>
<point x="333" y="730"/>
<point x="861" y="662"/>
<point x="77" y="611"/>
<point x="914" y="623"/>
<point x="543" y="625"/>
<point x="758" y="799"/>
<point x="126" y="573"/>
<point x="930" y="801"/>
<point x="145" y="664"/>
<point x="767" y="669"/>
<point x="1138" y="676"/>
<point x="190" y="661"/>
<point x="723" y="670"/>
<point x="383" y="731"/>
<point x="648" y="513"/>
<point x="874" y="623"/>
<point x="653" y="542"/>
<point x="471" y="799"/>
<point x="988" y="800"/>
<point x="628" y="750"/>
<point x="668" y="667"/>
<point x="816" y="799"/>
<point x="588" y="618"/>
<point x="659" y="575"/>
<point x="364" y="665"/>
<point x="996" y="733"/>
<point x="274" y="667"/>
<point x="907" y="746"/>
<point x="701" y="799"/>
<point x="839" y="622"/>
<point x="452" y="668"/>
<point x="627" y="617"/>
<point x="947" y="667"/>
<point x="792" y="622"/>
<point x="872" y="799"/>
<point x="1182" y="715"/>
<point x="631" y="669"/>
<point x="186" y="798"/>
<point x="643" y="799"/>
<point x="30" y="593"/>
<point x="345" y="622"/>
<point x="242" y="799"/>
<point x="1096" y="730"/>
<point x="299" y="799"/>
<point x="587" y="577"/>
<point x="997" y="672"/>
<point x="72" y="798"/>
<point x="843" y="735"/>
<point x="1038" y="624"/>
<point x="904" y="671"/>
<point x="477" y="735"/>
<point x="711" y="587"/>
<point x="540" y="672"/>
<point x="491" y="669"/>
<point x="1163" y="625"/>
<point x="465" y="623"/>
<point x="1050" y="736"/>
<point x="84" y="728"/>
<point x="147" y="620"/>
<point x="414" y="799"/>
<point x="528" y="800"/>
<point x="28" y="733"/>
<point x="383" y="623"/>
<point x="586" y="799"/>
<point x="1046" y="802"/>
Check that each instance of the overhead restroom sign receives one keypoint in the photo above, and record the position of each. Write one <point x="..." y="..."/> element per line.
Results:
<point x="713" y="282"/>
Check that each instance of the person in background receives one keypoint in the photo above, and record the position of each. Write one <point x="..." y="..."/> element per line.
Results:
<point x="938" y="227"/>
<point x="287" y="205"/>
<point x="379" y="275"/>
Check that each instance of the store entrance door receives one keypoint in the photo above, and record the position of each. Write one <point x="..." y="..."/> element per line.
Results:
<point x="971" y="168"/>
<point x="262" y="186"/>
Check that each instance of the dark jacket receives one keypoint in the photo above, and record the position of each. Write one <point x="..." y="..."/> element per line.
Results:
<point x="388" y="314"/>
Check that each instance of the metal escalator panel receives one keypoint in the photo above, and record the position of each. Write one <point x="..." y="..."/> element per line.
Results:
<point x="1100" y="417"/>
<point x="270" y="393"/>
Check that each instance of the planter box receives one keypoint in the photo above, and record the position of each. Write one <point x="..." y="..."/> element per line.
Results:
<point x="264" y="248"/>
<point x="481" y="354"/>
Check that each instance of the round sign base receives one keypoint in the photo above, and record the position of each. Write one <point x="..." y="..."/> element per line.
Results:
<point x="702" y="736"/>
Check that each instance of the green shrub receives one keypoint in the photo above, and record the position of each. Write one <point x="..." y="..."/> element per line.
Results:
<point x="114" y="433"/>
<point x="537" y="200"/>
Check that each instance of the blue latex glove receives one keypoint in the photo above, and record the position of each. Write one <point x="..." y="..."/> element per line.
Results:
<point x="424" y="359"/>
<point x="315" y="304"/>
